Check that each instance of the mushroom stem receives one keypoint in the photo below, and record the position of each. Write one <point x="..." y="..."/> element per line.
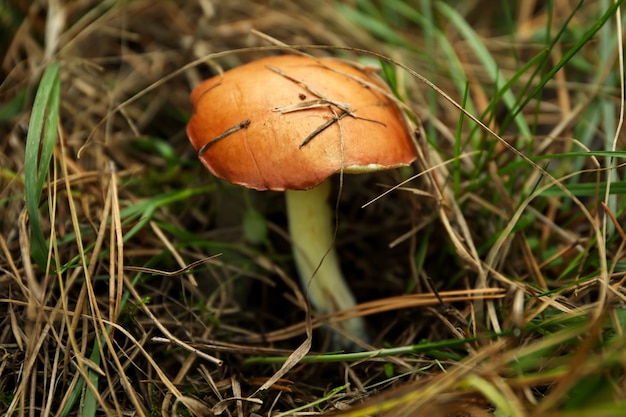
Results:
<point x="312" y="240"/>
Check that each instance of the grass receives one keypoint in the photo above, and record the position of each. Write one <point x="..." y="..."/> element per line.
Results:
<point x="491" y="272"/>
<point x="45" y="113"/>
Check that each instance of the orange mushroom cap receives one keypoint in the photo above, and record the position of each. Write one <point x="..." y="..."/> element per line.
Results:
<point x="289" y="122"/>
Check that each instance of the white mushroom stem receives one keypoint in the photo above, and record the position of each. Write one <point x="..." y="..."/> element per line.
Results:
<point x="312" y="239"/>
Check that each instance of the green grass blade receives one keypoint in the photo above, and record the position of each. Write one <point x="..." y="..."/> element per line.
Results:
<point x="42" y="133"/>
<point x="90" y="402"/>
<point x="569" y="54"/>
<point x="483" y="54"/>
<point x="13" y="107"/>
<point x="376" y="26"/>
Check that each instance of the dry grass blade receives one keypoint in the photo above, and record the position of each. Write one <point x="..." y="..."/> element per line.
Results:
<point x="170" y="337"/>
<point x="381" y="305"/>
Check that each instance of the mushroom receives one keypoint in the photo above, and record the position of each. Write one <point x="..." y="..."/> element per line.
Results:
<point x="287" y="123"/>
